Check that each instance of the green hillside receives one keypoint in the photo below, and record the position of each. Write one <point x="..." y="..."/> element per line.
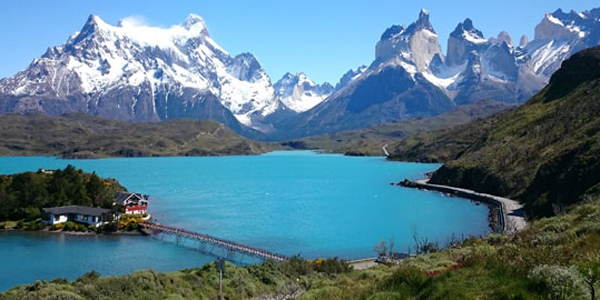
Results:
<point x="370" y="140"/>
<point x="84" y="136"/>
<point x="545" y="153"/>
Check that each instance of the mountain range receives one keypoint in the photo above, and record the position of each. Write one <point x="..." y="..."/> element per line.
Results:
<point x="543" y="153"/>
<point x="139" y="73"/>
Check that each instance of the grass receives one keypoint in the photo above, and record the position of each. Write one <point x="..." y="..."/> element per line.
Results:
<point x="546" y="260"/>
<point x="84" y="136"/>
<point x="8" y="224"/>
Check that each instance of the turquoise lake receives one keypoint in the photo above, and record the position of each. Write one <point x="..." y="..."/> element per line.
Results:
<point x="295" y="202"/>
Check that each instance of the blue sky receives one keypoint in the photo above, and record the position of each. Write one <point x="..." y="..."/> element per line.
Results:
<point x="322" y="38"/>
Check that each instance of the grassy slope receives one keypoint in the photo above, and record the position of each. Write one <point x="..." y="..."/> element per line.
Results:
<point x="370" y="140"/>
<point x="78" y="135"/>
<point x="547" y="260"/>
<point x="545" y="153"/>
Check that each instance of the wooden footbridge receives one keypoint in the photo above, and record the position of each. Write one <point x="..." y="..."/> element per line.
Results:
<point x="205" y="238"/>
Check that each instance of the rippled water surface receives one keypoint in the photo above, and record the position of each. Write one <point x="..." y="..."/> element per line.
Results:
<point x="290" y="202"/>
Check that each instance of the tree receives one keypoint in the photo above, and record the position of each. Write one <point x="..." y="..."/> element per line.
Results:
<point x="590" y="271"/>
<point x="380" y="249"/>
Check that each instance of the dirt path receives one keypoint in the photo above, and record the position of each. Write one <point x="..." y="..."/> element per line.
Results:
<point x="363" y="264"/>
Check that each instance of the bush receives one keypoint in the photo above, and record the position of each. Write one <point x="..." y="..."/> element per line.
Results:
<point x="132" y="226"/>
<point x="88" y="277"/>
<point x="296" y="266"/>
<point x="59" y="280"/>
<point x="111" y="227"/>
<point x="20" y="224"/>
<point x="331" y="266"/>
<point x="57" y="227"/>
<point x="2" y="226"/>
<point x="556" y="282"/>
<point x="69" y="226"/>
<point x="81" y="228"/>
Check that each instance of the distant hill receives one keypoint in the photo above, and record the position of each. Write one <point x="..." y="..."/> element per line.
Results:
<point x="369" y="141"/>
<point x="84" y="136"/>
<point x="545" y="153"/>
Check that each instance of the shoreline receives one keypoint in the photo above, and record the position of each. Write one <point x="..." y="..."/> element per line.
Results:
<point x="509" y="213"/>
<point x="78" y="233"/>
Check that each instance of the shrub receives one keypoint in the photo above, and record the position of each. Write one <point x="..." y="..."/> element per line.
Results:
<point x="132" y="226"/>
<point x="59" y="280"/>
<point x="81" y="228"/>
<point x="2" y="226"/>
<point x="331" y="266"/>
<point x="88" y="277"/>
<point x="68" y="226"/>
<point x="57" y="227"/>
<point x="111" y="227"/>
<point x="296" y="266"/>
<point x="556" y="282"/>
<point x="20" y="224"/>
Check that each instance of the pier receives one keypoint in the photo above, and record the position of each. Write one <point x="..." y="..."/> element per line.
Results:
<point x="205" y="238"/>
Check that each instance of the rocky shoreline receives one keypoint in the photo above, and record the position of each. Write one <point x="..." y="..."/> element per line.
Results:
<point x="495" y="219"/>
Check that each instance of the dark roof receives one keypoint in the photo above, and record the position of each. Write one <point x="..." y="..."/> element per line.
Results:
<point x="120" y="197"/>
<point x="76" y="209"/>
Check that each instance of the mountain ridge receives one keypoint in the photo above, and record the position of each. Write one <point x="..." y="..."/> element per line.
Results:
<point x="544" y="153"/>
<point x="141" y="73"/>
<point x="474" y="68"/>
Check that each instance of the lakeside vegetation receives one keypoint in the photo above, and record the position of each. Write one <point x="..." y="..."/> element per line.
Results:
<point x="23" y="195"/>
<point x="553" y="258"/>
<point x="84" y="136"/>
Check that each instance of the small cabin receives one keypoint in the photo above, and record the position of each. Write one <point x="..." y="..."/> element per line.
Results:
<point x="81" y="214"/>
<point x="134" y="203"/>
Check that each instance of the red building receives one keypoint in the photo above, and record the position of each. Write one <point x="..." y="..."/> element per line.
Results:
<point x="134" y="203"/>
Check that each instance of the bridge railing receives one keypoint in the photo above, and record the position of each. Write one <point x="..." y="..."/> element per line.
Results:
<point x="218" y="241"/>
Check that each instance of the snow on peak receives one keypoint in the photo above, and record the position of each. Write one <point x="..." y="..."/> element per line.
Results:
<point x="422" y="22"/>
<point x="193" y="20"/>
<point x="415" y="45"/>
<point x="551" y="18"/>
<point x="466" y="31"/>
<point x="103" y="57"/>
<point x="350" y="76"/>
<point x="299" y="93"/>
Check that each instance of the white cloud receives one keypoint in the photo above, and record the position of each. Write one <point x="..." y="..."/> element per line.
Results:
<point x="133" y="21"/>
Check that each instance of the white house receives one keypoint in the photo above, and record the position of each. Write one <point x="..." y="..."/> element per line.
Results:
<point x="134" y="203"/>
<point x="81" y="214"/>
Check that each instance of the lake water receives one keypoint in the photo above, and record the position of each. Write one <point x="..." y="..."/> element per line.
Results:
<point x="295" y="202"/>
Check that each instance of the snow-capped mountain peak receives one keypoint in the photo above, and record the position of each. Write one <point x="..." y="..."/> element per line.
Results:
<point x="350" y="76"/>
<point x="194" y="21"/>
<point x="413" y="46"/>
<point x="103" y="59"/>
<point x="299" y="93"/>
